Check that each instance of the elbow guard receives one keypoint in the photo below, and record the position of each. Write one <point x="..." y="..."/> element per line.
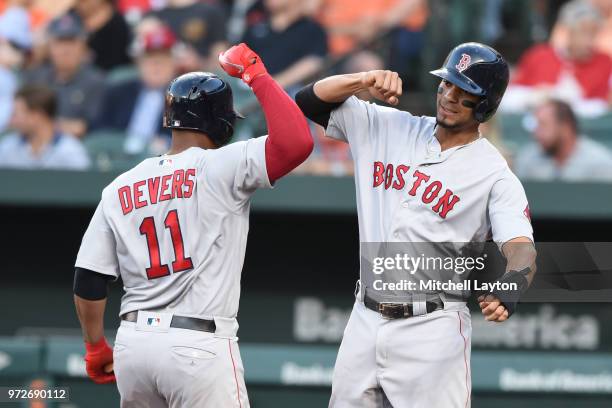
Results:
<point x="90" y="285"/>
<point x="313" y="107"/>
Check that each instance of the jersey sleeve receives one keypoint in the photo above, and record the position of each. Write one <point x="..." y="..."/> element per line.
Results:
<point x="363" y="123"/>
<point x="239" y="169"/>
<point x="98" y="248"/>
<point x="509" y="210"/>
<point x="353" y="114"/>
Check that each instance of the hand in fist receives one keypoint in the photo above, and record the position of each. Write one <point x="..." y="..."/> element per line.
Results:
<point x="99" y="362"/>
<point x="242" y="62"/>
<point x="492" y="309"/>
<point x="383" y="85"/>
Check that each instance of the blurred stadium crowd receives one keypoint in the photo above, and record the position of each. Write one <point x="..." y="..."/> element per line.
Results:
<point x="82" y="82"/>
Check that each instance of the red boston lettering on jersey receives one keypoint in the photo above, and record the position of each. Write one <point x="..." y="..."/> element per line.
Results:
<point x="399" y="173"/>
<point x="165" y="186"/>
<point x="125" y="199"/>
<point x="446" y="203"/>
<point x="138" y="194"/>
<point x="388" y="176"/>
<point x="431" y="192"/>
<point x="153" y="189"/>
<point x="385" y="174"/>
<point x="419" y="178"/>
<point x="190" y="176"/>
<point x="379" y="170"/>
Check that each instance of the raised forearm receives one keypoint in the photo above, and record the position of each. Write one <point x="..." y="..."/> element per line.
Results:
<point x="289" y="140"/>
<point x="91" y="316"/>
<point x="339" y="88"/>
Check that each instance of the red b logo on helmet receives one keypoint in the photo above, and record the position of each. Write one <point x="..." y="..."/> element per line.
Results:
<point x="464" y="63"/>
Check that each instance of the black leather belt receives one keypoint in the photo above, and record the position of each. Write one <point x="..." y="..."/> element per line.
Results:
<point x="391" y="310"/>
<point x="180" y="322"/>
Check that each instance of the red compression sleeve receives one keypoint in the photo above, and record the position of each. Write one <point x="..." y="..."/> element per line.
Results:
<point x="289" y="140"/>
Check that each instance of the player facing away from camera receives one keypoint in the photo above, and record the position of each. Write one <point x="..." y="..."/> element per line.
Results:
<point x="174" y="228"/>
<point x="423" y="179"/>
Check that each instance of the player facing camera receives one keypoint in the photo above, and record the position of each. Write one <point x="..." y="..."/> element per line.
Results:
<point x="474" y="79"/>
<point x="428" y="180"/>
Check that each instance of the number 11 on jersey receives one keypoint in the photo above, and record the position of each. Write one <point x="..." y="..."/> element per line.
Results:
<point x="180" y="264"/>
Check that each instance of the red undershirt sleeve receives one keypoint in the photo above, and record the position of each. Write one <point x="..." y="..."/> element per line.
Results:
<point x="289" y="140"/>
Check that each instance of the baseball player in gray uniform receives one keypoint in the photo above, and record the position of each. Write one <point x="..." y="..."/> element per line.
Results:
<point x="423" y="179"/>
<point x="174" y="228"/>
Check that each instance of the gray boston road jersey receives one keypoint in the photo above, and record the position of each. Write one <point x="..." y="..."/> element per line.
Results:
<point x="410" y="191"/>
<point x="175" y="229"/>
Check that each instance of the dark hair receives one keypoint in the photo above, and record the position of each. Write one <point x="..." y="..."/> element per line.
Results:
<point x="564" y="113"/>
<point x="39" y="98"/>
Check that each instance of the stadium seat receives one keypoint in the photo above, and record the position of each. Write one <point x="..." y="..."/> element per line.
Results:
<point x="107" y="153"/>
<point x="121" y="74"/>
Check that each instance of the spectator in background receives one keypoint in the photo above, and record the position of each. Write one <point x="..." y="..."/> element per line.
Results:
<point x="603" y="40"/>
<point x="200" y="26"/>
<point x="559" y="153"/>
<point x="37" y="16"/>
<point x="79" y="86"/>
<point x="576" y="73"/>
<point x="136" y="106"/>
<point x="134" y="10"/>
<point x="108" y="33"/>
<point x="40" y="12"/>
<point x="292" y="44"/>
<point x="243" y="13"/>
<point x="349" y="23"/>
<point x="15" y="42"/>
<point x="37" y="143"/>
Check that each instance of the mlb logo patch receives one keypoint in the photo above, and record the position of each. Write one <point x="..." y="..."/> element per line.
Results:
<point x="153" y="321"/>
<point x="165" y="162"/>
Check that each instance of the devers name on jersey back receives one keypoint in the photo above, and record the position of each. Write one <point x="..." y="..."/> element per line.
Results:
<point x="177" y="185"/>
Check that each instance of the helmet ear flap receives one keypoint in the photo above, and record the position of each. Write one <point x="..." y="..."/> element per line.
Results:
<point x="227" y="132"/>
<point x="483" y="111"/>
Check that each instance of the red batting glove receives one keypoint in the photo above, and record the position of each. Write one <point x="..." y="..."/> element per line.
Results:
<point x="97" y="357"/>
<point x="242" y="62"/>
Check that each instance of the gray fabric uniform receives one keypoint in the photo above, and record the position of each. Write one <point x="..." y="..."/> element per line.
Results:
<point x="175" y="229"/>
<point x="409" y="191"/>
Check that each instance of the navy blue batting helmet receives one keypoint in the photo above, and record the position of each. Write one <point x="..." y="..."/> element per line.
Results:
<point x="480" y="70"/>
<point x="203" y="102"/>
